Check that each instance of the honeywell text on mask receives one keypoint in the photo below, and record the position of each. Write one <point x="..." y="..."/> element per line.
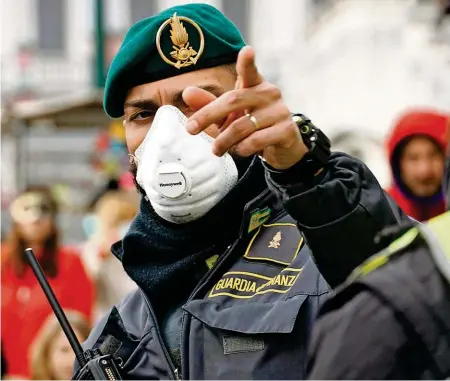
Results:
<point x="170" y="184"/>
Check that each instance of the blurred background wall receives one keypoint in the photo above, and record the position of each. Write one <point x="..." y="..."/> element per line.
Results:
<point x="351" y="65"/>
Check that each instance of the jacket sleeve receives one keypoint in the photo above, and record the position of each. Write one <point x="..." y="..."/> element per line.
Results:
<point x="346" y="343"/>
<point x="339" y="212"/>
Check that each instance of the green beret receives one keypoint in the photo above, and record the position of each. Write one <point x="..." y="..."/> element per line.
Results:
<point x="176" y="41"/>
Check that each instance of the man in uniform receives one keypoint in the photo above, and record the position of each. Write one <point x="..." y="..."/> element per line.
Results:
<point x="391" y="319"/>
<point x="236" y="195"/>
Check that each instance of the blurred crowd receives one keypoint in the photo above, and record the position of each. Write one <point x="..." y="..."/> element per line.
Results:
<point x="88" y="280"/>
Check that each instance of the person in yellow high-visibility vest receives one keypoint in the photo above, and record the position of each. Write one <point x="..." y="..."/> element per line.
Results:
<point x="391" y="318"/>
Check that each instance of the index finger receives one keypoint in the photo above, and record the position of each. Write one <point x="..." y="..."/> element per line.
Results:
<point x="248" y="74"/>
<point x="219" y="109"/>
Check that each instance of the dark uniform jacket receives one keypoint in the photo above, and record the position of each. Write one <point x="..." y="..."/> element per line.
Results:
<point x="250" y="317"/>
<point x="392" y="319"/>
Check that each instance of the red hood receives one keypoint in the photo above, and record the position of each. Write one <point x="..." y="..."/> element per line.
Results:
<point x="418" y="122"/>
<point x="424" y="122"/>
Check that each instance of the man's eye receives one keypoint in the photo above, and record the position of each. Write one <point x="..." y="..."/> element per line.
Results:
<point x="142" y="115"/>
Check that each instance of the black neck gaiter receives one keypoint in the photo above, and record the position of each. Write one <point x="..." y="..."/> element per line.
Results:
<point x="163" y="258"/>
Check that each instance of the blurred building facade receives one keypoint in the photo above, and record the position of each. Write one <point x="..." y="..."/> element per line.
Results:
<point x="351" y="65"/>
<point x="383" y="55"/>
<point x="362" y="63"/>
<point x="365" y="61"/>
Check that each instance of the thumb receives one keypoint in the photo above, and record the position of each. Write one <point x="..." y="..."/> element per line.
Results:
<point x="197" y="98"/>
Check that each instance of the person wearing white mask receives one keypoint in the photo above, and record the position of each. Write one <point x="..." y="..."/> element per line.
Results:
<point x="237" y="195"/>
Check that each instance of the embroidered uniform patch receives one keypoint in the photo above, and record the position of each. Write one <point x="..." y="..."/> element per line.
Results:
<point x="258" y="217"/>
<point x="275" y="243"/>
<point x="210" y="262"/>
<point x="246" y="285"/>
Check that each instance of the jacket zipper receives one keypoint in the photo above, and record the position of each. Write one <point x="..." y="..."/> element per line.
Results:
<point x="175" y="372"/>
<point x="211" y="272"/>
<point x="206" y="277"/>
<point x="203" y="281"/>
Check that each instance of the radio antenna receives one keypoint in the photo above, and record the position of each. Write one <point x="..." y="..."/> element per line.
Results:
<point x="57" y="309"/>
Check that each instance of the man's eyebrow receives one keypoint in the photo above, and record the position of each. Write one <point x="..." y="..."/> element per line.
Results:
<point x="217" y="90"/>
<point x="147" y="104"/>
<point x="177" y="98"/>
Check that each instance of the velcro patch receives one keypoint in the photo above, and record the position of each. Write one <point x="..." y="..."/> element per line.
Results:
<point x="241" y="344"/>
<point x="276" y="243"/>
<point x="246" y="285"/>
<point x="110" y="345"/>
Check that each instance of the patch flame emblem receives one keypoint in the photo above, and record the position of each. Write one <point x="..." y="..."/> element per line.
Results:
<point x="276" y="241"/>
<point x="183" y="54"/>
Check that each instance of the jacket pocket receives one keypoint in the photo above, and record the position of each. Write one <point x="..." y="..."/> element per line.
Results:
<point x="249" y="341"/>
<point x="252" y="318"/>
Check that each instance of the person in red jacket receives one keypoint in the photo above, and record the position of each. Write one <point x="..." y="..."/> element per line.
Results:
<point x="24" y="307"/>
<point x="416" y="148"/>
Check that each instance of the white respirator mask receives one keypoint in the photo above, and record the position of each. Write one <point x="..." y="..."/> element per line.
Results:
<point x="181" y="176"/>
